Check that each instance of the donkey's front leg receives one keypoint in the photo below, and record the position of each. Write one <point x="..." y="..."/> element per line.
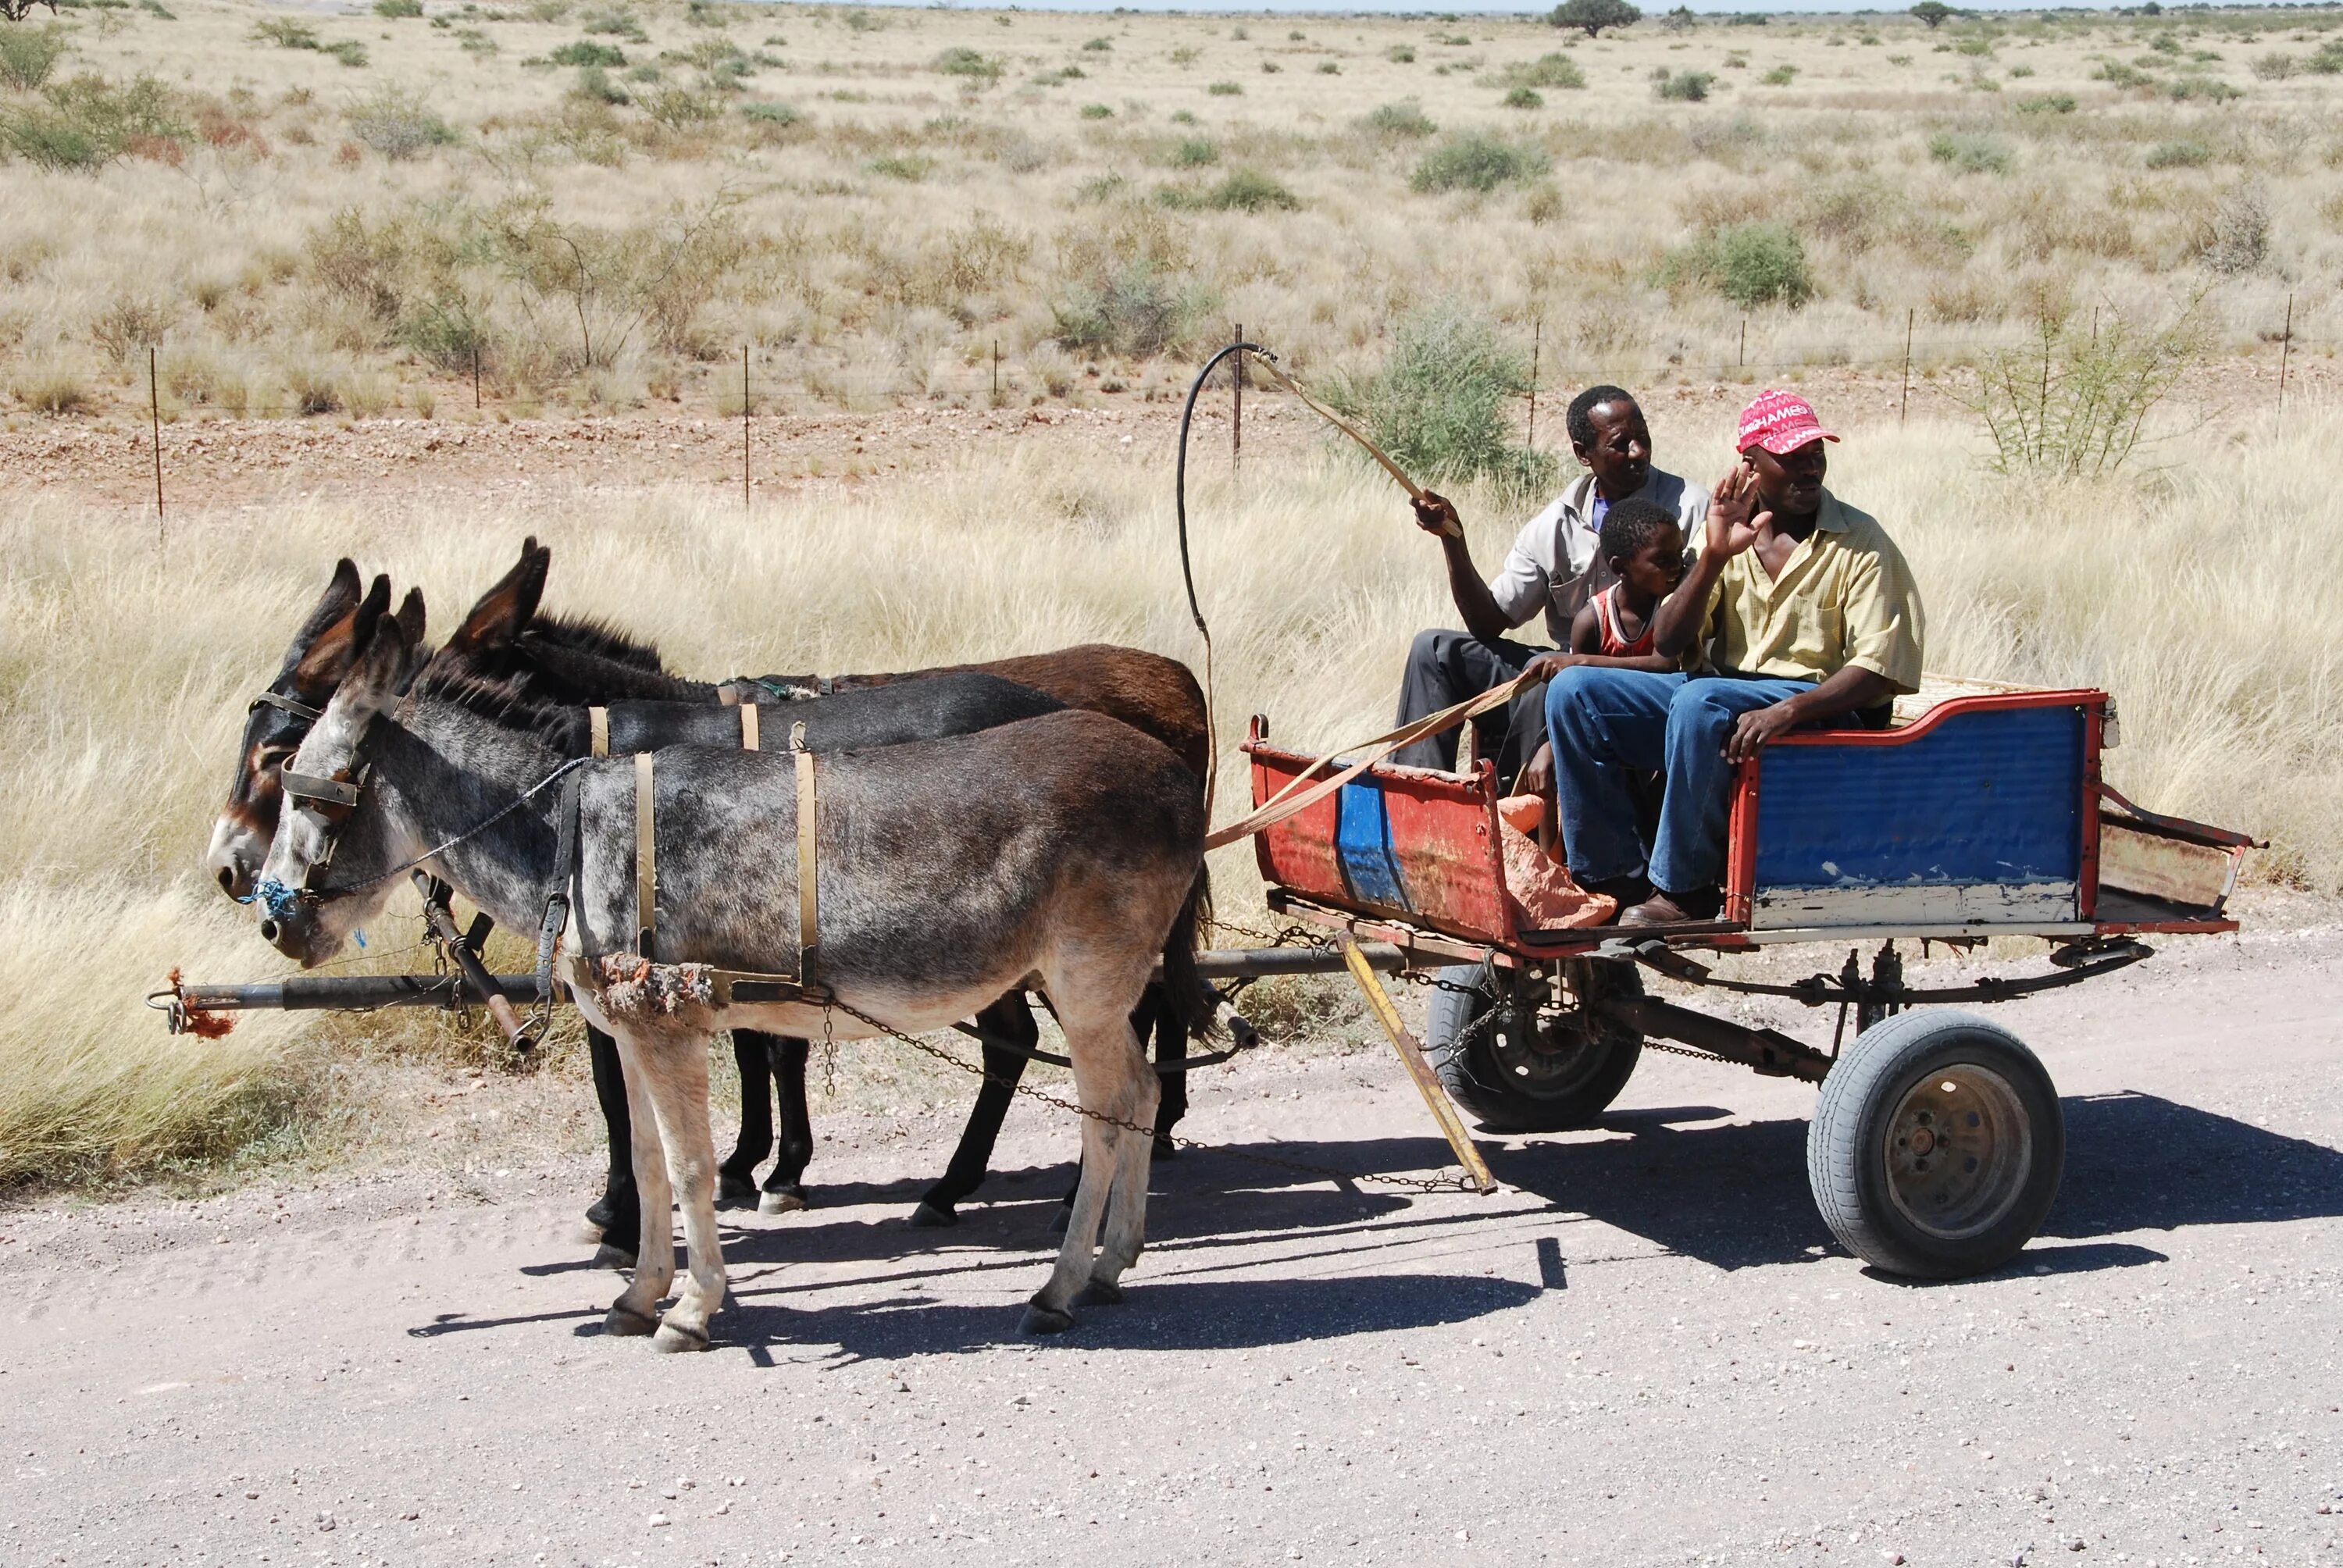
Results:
<point x="636" y="1309"/>
<point x="1047" y="1313"/>
<point x="677" y="1064"/>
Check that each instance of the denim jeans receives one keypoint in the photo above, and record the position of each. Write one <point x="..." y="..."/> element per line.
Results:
<point x="1443" y="669"/>
<point x="1607" y="724"/>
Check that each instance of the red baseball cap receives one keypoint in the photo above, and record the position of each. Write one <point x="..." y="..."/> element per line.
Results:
<point x="1779" y="422"/>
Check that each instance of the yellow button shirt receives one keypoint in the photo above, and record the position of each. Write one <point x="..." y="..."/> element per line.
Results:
<point x="1844" y="596"/>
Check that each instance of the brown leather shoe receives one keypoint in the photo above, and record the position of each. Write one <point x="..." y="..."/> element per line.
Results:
<point x="1628" y="890"/>
<point x="1684" y="909"/>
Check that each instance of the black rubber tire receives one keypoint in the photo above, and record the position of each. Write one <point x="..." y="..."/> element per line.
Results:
<point x="1476" y="1077"/>
<point x="1854" y="1141"/>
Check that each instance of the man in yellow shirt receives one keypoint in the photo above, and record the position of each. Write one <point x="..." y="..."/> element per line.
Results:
<point x="1806" y="613"/>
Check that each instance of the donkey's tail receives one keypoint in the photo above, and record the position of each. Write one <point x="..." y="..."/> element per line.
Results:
<point x="1191" y="1002"/>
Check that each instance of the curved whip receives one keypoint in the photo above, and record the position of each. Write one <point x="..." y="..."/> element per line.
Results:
<point x="1188" y="571"/>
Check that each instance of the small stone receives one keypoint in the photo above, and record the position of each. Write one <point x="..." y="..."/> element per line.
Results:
<point x="656" y="1522"/>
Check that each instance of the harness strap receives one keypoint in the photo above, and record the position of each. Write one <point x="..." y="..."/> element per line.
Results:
<point x="598" y="730"/>
<point x="557" y="899"/>
<point x="749" y="726"/>
<point x="808" y="856"/>
<point x="310" y="787"/>
<point x="284" y="704"/>
<point x="645" y="857"/>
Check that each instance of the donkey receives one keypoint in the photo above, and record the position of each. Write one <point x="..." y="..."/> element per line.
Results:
<point x="573" y="662"/>
<point x="1061" y="851"/>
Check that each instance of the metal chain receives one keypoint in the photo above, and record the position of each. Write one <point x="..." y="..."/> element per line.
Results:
<point x="1419" y="1183"/>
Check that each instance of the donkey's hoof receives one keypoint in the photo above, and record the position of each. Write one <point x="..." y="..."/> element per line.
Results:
<point x="590" y="1233"/>
<point x="928" y="1216"/>
<point x="600" y="1216"/>
<point x="673" y="1338"/>
<point x="626" y="1324"/>
<point x="1099" y="1293"/>
<point x="1042" y="1320"/>
<point x="781" y="1201"/>
<point x="736" y="1191"/>
<point x="607" y="1256"/>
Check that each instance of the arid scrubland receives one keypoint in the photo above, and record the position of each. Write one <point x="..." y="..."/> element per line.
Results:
<point x="337" y="209"/>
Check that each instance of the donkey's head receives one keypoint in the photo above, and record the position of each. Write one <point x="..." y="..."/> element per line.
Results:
<point x="281" y="714"/>
<point x="328" y="812"/>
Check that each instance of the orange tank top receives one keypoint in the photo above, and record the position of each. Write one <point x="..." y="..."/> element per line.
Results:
<point x="1606" y="619"/>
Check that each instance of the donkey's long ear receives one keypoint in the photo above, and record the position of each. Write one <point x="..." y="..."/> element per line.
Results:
<point x="384" y="661"/>
<point x="410" y="616"/>
<point x="504" y="611"/>
<point x="340" y="598"/>
<point x="327" y="661"/>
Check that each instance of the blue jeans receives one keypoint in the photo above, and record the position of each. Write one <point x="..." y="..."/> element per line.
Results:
<point x="1607" y="724"/>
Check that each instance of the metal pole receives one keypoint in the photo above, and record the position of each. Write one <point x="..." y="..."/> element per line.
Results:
<point x="1904" y="400"/>
<point x="996" y="371"/>
<point x="1745" y="344"/>
<point x="1236" y="413"/>
<point x="476" y="377"/>
<point x="1537" y="331"/>
<point x="154" y="417"/>
<point x="744" y="427"/>
<point x="2285" y="350"/>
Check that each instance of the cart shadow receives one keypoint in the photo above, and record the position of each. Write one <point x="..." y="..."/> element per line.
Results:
<point x="1735" y="1196"/>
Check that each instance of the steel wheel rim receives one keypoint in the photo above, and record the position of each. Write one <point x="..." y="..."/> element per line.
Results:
<point x="1527" y="1068"/>
<point x="1958" y="1148"/>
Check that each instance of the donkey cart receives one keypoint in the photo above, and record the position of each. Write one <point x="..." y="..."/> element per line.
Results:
<point x="1937" y="1145"/>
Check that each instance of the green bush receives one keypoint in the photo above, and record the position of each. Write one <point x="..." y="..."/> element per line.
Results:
<point x="2115" y="72"/>
<point x="978" y="69"/>
<point x="28" y="54"/>
<point x="594" y="85"/>
<point x="770" y="114"/>
<point x="2327" y="61"/>
<point x="1097" y="112"/>
<point x="1225" y="89"/>
<point x="2276" y="67"/>
<point x="350" y="52"/>
<point x="394" y="10"/>
<point x="1400" y="54"/>
<point x="2048" y="104"/>
<point x="86" y="122"/>
<point x="1524" y="98"/>
<point x="585" y="52"/>
<point x="1248" y="190"/>
<point x="909" y="167"/>
<point x="1474" y="162"/>
<point x="1751" y="264"/>
<point x="1194" y="154"/>
<point x="1970" y="154"/>
<point x="1552" y="71"/>
<point x="286" y="34"/>
<point x="1780" y="76"/>
<point x="2203" y="89"/>
<point x="1328" y="68"/>
<point x="1682" y="87"/>
<point x="1406" y="119"/>
<point x="1138" y="309"/>
<point x="2178" y="155"/>
<point x="1098" y="45"/>
<point x="400" y="123"/>
<point x="1443" y="404"/>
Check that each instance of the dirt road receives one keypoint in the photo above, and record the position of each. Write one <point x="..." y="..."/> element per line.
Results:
<point x="1645" y="1350"/>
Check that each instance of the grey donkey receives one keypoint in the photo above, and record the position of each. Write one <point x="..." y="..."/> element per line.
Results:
<point x="1062" y="853"/>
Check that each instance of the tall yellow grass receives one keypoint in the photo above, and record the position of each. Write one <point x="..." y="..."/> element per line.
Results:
<point x="2205" y="596"/>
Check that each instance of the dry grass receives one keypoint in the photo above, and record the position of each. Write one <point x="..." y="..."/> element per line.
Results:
<point x="2197" y="594"/>
<point x="874" y="197"/>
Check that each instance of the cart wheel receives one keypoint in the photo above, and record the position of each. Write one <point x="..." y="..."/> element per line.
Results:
<point x="1937" y="1145"/>
<point x="1529" y="1068"/>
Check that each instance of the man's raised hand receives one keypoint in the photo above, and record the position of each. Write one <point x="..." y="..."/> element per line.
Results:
<point x="1734" y="521"/>
<point x="1437" y="514"/>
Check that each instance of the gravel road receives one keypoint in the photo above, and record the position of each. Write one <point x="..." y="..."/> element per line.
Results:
<point x="1646" y="1350"/>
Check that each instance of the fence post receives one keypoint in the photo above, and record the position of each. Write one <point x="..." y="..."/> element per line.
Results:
<point x="2285" y="352"/>
<point x="1744" y="362"/>
<point x="996" y="371"/>
<point x="1236" y="409"/>
<point x="155" y="426"/>
<point x="1537" y="331"/>
<point x="744" y="427"/>
<point x="476" y="377"/>
<point x="1903" y="400"/>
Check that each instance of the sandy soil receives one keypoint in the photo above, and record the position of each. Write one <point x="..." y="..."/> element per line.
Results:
<point x="1644" y="1349"/>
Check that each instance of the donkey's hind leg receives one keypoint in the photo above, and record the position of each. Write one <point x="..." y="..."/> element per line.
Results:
<point x="1012" y="1019"/>
<point x="1113" y="1082"/>
<point x="785" y="1190"/>
<point x="736" y="1179"/>
<point x="674" y="1065"/>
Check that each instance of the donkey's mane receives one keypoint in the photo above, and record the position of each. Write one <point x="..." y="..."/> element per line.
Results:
<point x="509" y="702"/>
<point x="583" y="634"/>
